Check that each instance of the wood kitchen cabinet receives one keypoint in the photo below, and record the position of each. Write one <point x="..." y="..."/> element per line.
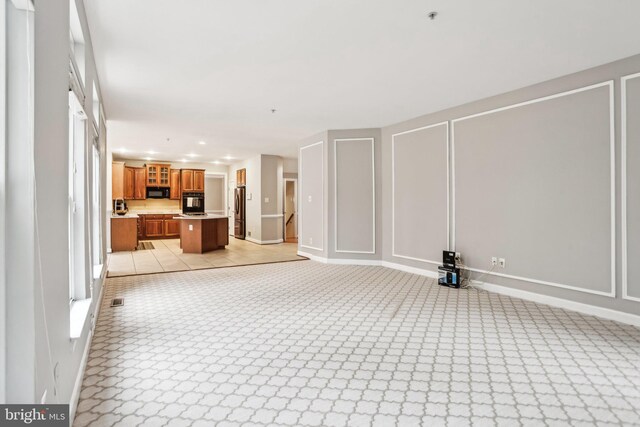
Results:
<point x="158" y="175"/>
<point x="198" y="180"/>
<point x="186" y="179"/>
<point x="140" y="184"/>
<point x="129" y="178"/>
<point x="171" y="227"/>
<point x="135" y="183"/>
<point x="192" y="180"/>
<point x="158" y="226"/>
<point x="153" y="227"/>
<point x="174" y="192"/>
<point x="117" y="180"/>
<point x="241" y="177"/>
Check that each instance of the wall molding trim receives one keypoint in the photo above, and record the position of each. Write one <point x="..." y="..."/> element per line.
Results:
<point x="301" y="200"/>
<point x="623" y="187"/>
<point x="393" y="186"/>
<point x="612" y="164"/>
<point x="335" y="194"/>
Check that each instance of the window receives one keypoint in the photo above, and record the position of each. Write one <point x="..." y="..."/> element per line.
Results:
<point x="96" y="217"/>
<point x="78" y="278"/>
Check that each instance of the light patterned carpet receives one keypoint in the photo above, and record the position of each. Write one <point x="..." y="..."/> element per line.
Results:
<point x="310" y="344"/>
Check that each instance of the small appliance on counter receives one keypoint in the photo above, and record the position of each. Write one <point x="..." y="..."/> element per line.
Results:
<point x="120" y="207"/>
<point x="193" y="203"/>
<point x="448" y="273"/>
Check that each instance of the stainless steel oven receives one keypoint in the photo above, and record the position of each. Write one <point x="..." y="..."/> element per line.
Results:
<point x="192" y="203"/>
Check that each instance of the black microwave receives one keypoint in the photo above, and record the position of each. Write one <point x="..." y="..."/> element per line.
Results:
<point x="158" y="193"/>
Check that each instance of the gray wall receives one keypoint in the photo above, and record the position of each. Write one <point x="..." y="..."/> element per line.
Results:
<point x="419" y="197"/>
<point x="354" y="194"/>
<point x="530" y="181"/>
<point x="272" y="203"/>
<point x="533" y="183"/>
<point x="631" y="118"/>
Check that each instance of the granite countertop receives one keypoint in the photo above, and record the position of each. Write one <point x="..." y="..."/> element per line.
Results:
<point x="127" y="216"/>
<point x="201" y="217"/>
<point x="157" y="212"/>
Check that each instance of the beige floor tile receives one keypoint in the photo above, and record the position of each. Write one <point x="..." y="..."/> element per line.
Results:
<point x="167" y="256"/>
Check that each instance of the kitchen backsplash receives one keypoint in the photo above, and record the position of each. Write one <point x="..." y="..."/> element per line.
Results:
<point x="153" y="204"/>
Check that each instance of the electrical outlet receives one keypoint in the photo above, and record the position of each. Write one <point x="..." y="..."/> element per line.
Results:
<point x="494" y="261"/>
<point x="249" y="233"/>
<point x="266" y="200"/>
<point x="309" y="198"/>
<point x="502" y="262"/>
<point x="190" y="227"/>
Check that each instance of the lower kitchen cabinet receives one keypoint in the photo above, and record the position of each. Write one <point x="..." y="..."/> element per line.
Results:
<point x="153" y="228"/>
<point x="123" y="234"/>
<point x="158" y="226"/>
<point x="171" y="228"/>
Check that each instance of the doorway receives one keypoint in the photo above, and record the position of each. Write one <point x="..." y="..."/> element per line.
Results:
<point x="290" y="210"/>
<point x="215" y="194"/>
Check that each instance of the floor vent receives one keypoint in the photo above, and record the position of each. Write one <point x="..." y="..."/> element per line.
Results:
<point x="117" y="302"/>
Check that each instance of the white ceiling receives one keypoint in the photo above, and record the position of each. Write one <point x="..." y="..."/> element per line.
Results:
<point x="212" y="70"/>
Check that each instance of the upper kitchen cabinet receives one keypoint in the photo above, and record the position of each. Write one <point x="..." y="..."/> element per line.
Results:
<point x="241" y="177"/>
<point x="198" y="180"/>
<point x="129" y="178"/>
<point x="135" y="183"/>
<point x="174" y="193"/>
<point x="192" y="180"/>
<point x="158" y="175"/>
<point x="140" y="183"/>
<point x="117" y="181"/>
<point x="186" y="179"/>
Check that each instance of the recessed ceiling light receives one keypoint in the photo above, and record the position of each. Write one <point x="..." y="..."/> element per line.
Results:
<point x="193" y="155"/>
<point x="151" y="152"/>
<point x="201" y="142"/>
<point x="228" y="158"/>
<point x="123" y="150"/>
<point x="216" y="162"/>
<point x="183" y="160"/>
<point x="147" y="158"/>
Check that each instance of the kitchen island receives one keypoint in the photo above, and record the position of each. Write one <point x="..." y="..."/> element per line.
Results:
<point x="203" y="233"/>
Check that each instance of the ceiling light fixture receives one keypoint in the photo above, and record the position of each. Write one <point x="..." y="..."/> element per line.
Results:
<point x="151" y="152"/>
<point x="201" y="142"/>
<point x="183" y="160"/>
<point x="228" y="158"/>
<point x="432" y="15"/>
<point x="216" y="162"/>
<point x="147" y="158"/>
<point x="193" y="155"/>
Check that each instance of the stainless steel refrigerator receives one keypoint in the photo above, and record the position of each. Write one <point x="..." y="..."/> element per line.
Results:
<point x="239" y="229"/>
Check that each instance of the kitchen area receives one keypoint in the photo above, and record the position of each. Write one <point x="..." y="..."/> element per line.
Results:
<point x="161" y="220"/>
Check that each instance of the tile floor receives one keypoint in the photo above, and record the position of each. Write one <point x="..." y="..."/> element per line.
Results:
<point x="167" y="256"/>
<point x="310" y="344"/>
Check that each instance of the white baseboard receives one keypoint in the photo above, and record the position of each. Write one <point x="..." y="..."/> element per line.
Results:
<point x="592" y="310"/>
<point x="263" y="242"/>
<point x="77" y="387"/>
<point x="313" y="257"/>
<point x="407" y="269"/>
